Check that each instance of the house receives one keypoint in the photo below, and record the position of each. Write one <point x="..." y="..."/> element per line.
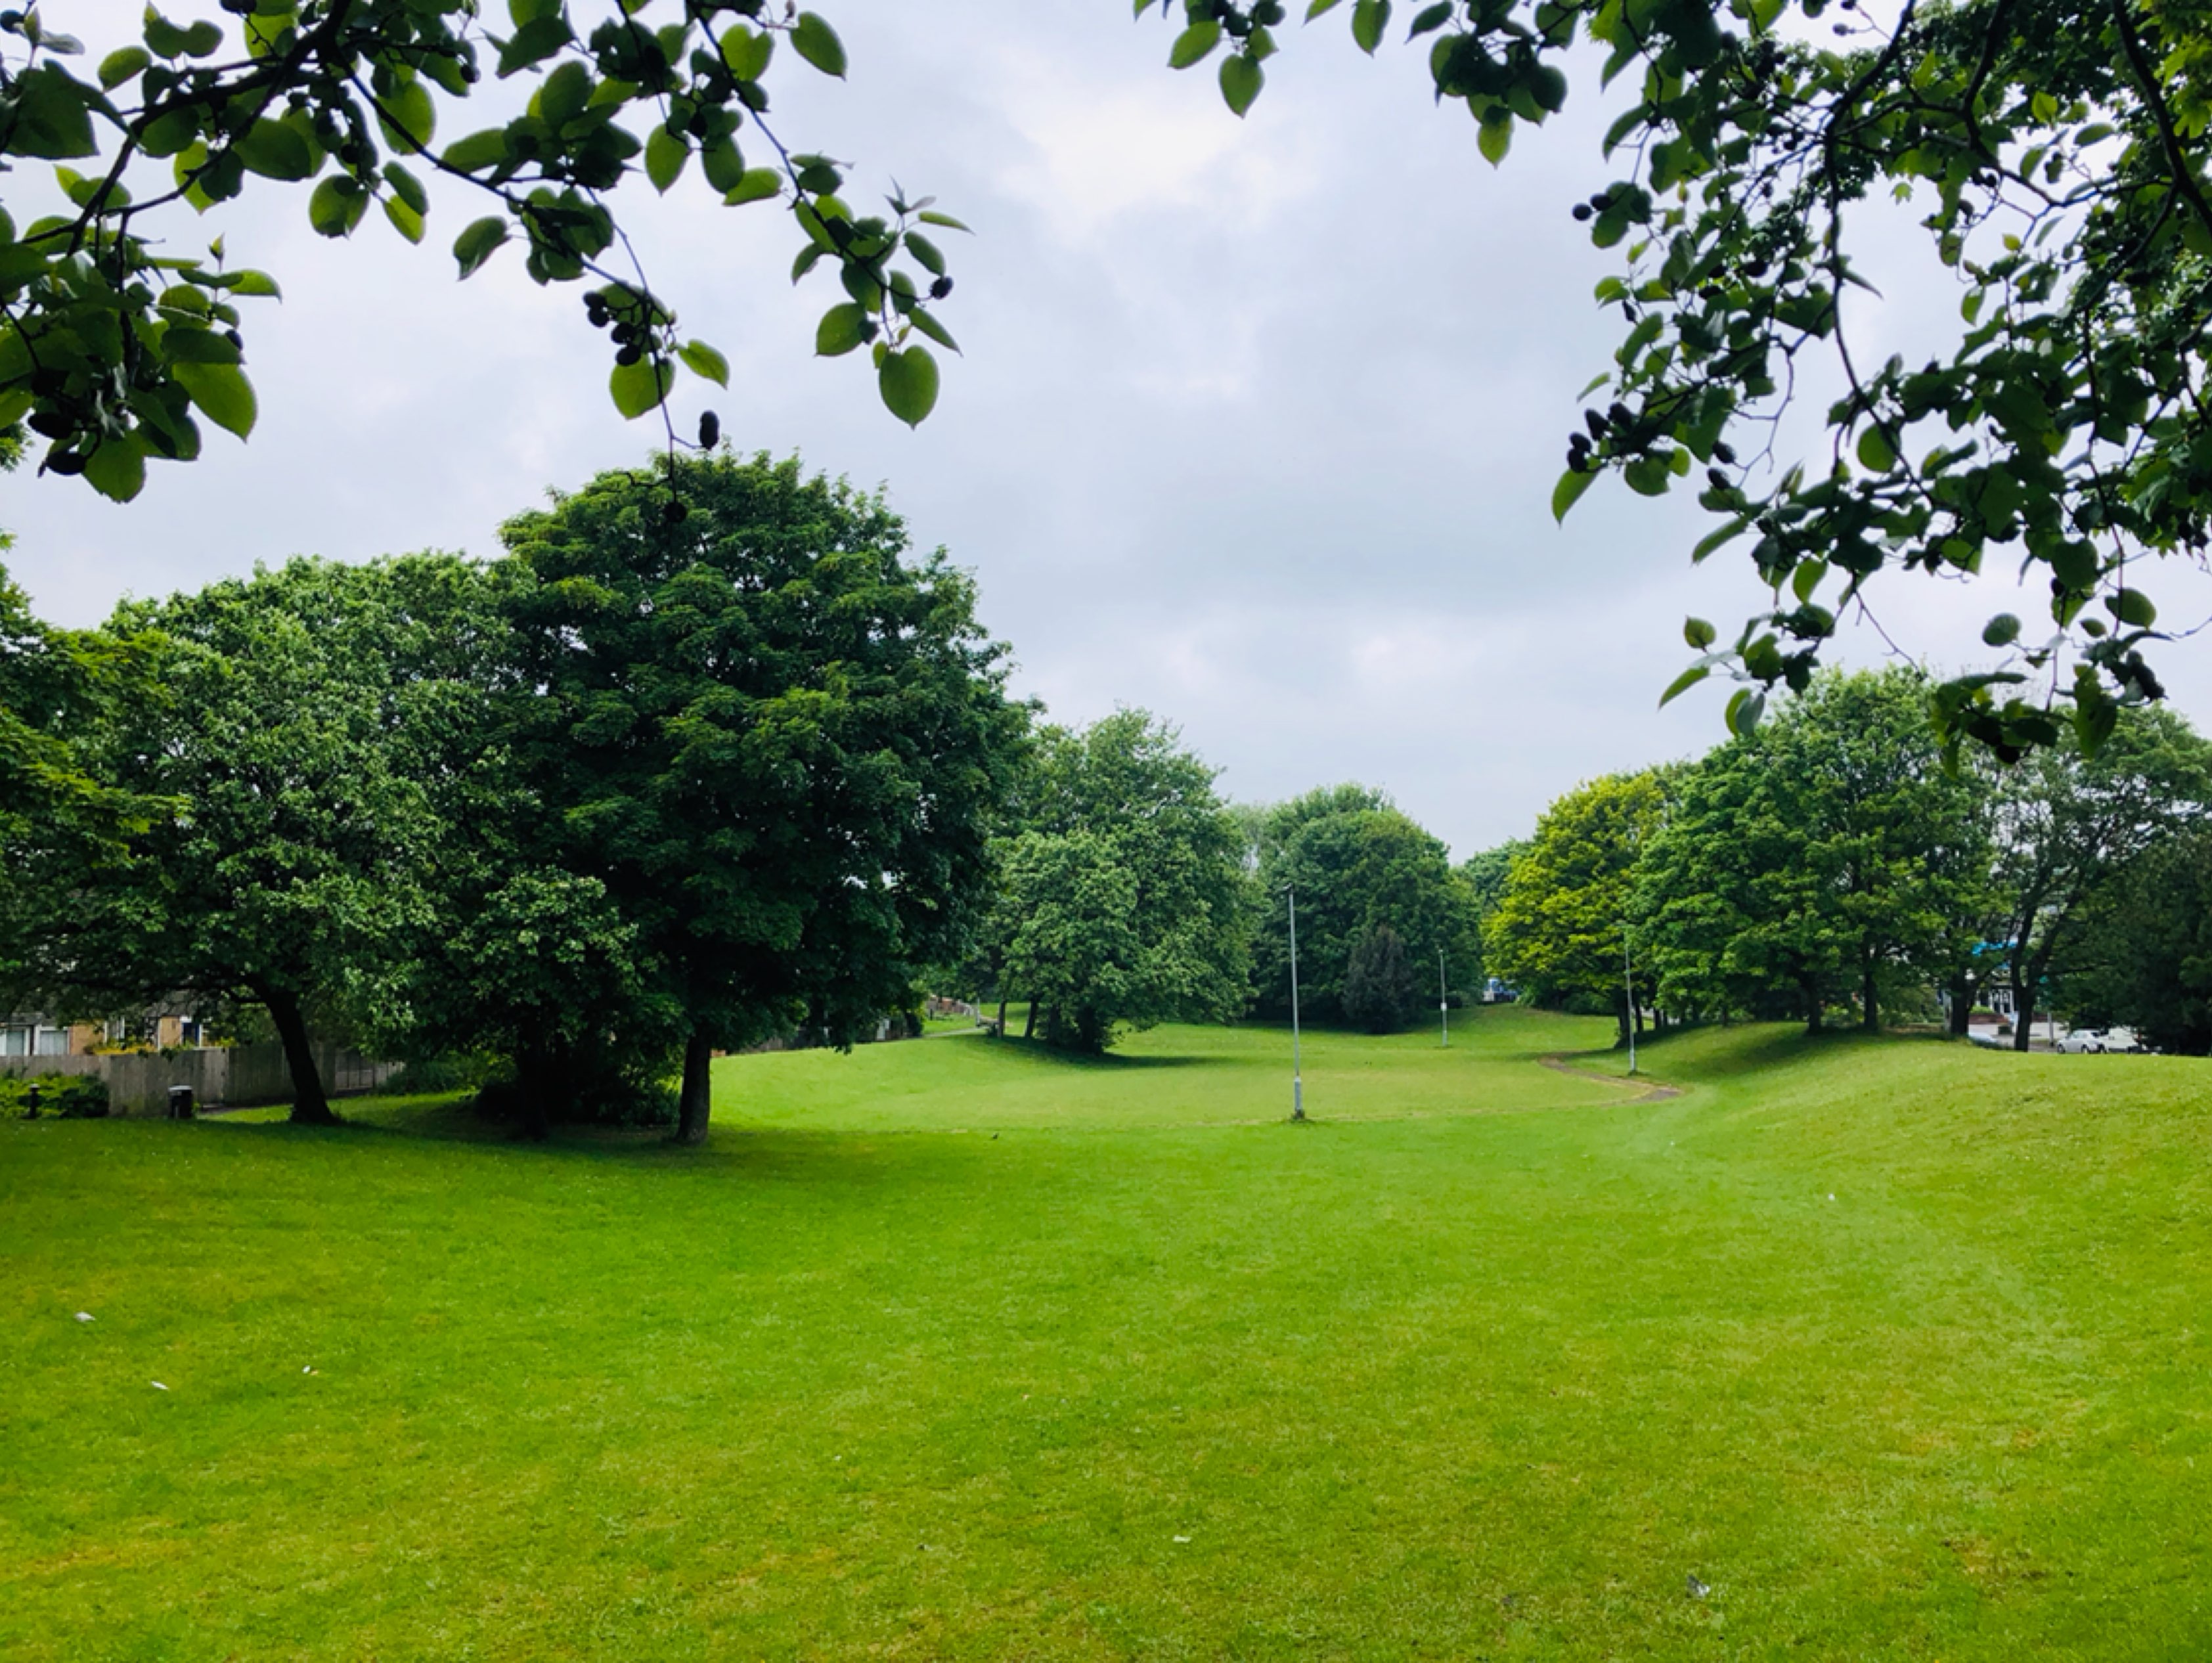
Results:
<point x="34" y="1034"/>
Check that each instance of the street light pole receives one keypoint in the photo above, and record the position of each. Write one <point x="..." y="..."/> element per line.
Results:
<point x="1628" y="988"/>
<point x="1444" y="1001"/>
<point x="1298" y="1084"/>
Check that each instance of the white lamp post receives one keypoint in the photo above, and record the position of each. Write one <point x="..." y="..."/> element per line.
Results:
<point x="1297" y="1084"/>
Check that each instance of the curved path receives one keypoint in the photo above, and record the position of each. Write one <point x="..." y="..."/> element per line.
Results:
<point x="1653" y="1092"/>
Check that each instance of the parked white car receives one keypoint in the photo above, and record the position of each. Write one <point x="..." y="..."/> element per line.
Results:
<point x="2095" y="1040"/>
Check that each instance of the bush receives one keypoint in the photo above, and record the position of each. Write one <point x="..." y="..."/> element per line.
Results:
<point x="62" y="1096"/>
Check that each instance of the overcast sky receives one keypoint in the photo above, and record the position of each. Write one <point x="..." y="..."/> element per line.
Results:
<point x="1256" y="425"/>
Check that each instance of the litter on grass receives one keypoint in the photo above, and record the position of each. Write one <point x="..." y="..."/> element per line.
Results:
<point x="158" y="1386"/>
<point x="84" y="1316"/>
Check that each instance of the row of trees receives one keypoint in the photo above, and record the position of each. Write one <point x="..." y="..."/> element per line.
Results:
<point x="702" y="760"/>
<point x="1830" y="858"/>
<point x="661" y="780"/>
<point x="1129" y="894"/>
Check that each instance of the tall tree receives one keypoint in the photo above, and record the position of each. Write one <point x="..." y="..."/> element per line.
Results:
<point x="1123" y="903"/>
<point x="777" y="743"/>
<point x="1358" y="865"/>
<point x="1822" y="853"/>
<point x="2054" y="152"/>
<point x="1559" y="929"/>
<point x="115" y="346"/>
<point x="2067" y="823"/>
<point x="293" y="866"/>
<point x="2143" y="958"/>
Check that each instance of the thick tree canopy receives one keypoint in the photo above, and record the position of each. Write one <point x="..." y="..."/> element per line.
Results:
<point x="1122" y="896"/>
<point x="2052" y="149"/>
<point x="115" y="344"/>
<point x="1358" y="865"/>
<point x="289" y="742"/>
<point x="1809" y="859"/>
<point x="1559" y="930"/>
<point x="778" y="744"/>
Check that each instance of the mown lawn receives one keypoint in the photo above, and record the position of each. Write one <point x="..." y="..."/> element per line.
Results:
<point x="949" y="1349"/>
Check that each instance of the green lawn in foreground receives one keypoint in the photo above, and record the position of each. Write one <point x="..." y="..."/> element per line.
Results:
<point x="1490" y="1383"/>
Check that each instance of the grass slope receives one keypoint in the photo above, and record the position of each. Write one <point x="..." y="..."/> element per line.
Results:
<point x="1133" y="1378"/>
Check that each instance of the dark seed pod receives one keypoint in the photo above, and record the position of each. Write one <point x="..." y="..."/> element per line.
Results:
<point x="710" y="430"/>
<point x="1583" y="211"/>
<point x="940" y="289"/>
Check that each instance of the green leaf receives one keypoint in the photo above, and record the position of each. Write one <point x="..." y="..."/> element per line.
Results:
<point x="408" y="187"/>
<point x="119" y="66"/>
<point x="183" y="344"/>
<point x="1648" y="476"/>
<point x="405" y="219"/>
<point x="1242" y="78"/>
<point x="478" y="151"/>
<point x="117" y="469"/>
<point x="1699" y="635"/>
<point x="257" y="284"/>
<point x="52" y="115"/>
<point x="703" y="361"/>
<point x="842" y="328"/>
<point x="754" y="184"/>
<point x="1193" y="44"/>
<point x="1368" y="19"/>
<point x="817" y="43"/>
<point x="408" y="117"/>
<point x="202" y="40"/>
<point x="275" y="151"/>
<point x="665" y="156"/>
<point x="745" y="52"/>
<point x="1494" y="139"/>
<point x="928" y="323"/>
<point x="926" y="253"/>
<point x="2132" y="607"/>
<point x="723" y="167"/>
<point x="1875" y="453"/>
<point x="476" y="244"/>
<point x="641" y="386"/>
<point x="534" y="43"/>
<point x="1569" y="491"/>
<point x="2002" y="630"/>
<point x="224" y="394"/>
<point x="1683" y="682"/>
<point x="1318" y="7"/>
<point x="908" y="381"/>
<point x="336" y="206"/>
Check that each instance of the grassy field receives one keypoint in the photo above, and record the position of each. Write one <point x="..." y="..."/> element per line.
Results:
<point x="949" y="1349"/>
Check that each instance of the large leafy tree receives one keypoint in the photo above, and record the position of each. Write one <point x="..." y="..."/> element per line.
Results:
<point x="1358" y="865"/>
<point x="1559" y="930"/>
<point x="292" y="741"/>
<point x="2145" y="953"/>
<point x="1123" y="900"/>
<point x="1819" y="855"/>
<point x="777" y="743"/>
<point x="115" y="345"/>
<point x="2052" y="150"/>
<point x="2068" y="823"/>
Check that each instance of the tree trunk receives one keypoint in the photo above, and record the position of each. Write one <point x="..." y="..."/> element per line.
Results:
<point x="1870" y="1012"/>
<point x="310" y="1107"/>
<point x="533" y="1080"/>
<point x="1813" y="1003"/>
<point x="1002" y="1013"/>
<point x="1028" y="1021"/>
<point x="693" y="1104"/>
<point x="1623" y="1016"/>
<point x="1961" y="1005"/>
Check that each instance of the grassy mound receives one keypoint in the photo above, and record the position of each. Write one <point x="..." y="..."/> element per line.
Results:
<point x="952" y="1349"/>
